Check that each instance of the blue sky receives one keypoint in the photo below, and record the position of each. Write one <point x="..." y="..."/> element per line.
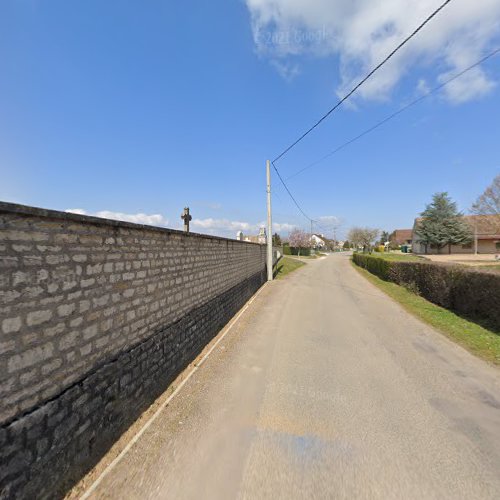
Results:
<point x="138" y="107"/>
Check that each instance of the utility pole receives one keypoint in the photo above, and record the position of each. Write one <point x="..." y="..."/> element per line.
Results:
<point x="269" y="225"/>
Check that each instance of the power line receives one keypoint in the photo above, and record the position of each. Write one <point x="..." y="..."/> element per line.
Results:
<point x="396" y="113"/>
<point x="288" y="191"/>
<point x="356" y="87"/>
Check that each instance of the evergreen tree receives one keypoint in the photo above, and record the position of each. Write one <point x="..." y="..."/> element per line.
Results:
<point x="384" y="238"/>
<point x="442" y="224"/>
<point x="347" y="245"/>
<point x="276" y="240"/>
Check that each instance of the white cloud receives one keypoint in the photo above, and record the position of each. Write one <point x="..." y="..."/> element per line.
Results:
<point x="287" y="70"/>
<point x="140" y="218"/>
<point x="283" y="227"/>
<point x="223" y="224"/>
<point x="230" y="227"/>
<point x="471" y="85"/>
<point x="77" y="211"/>
<point x="422" y="86"/>
<point x="362" y="33"/>
<point x="223" y="227"/>
<point x="332" y="220"/>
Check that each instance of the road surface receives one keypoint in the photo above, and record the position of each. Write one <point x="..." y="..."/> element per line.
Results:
<point x="325" y="388"/>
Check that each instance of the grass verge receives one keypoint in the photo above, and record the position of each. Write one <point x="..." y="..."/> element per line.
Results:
<point x="491" y="267"/>
<point x="408" y="257"/>
<point x="286" y="266"/>
<point x="480" y="341"/>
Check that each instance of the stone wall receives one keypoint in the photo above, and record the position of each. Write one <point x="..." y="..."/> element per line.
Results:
<point x="97" y="318"/>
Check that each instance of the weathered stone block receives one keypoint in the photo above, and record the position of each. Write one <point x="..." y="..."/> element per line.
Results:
<point x="66" y="309"/>
<point x="11" y="325"/>
<point x="30" y="357"/>
<point x="36" y="318"/>
<point x="68" y="341"/>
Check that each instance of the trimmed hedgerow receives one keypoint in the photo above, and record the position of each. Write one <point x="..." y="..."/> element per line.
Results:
<point x="375" y="265"/>
<point x="288" y="250"/>
<point x="474" y="293"/>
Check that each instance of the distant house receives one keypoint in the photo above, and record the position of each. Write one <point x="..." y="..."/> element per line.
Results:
<point x="402" y="237"/>
<point x="485" y="229"/>
<point x="318" y="241"/>
<point x="260" y="238"/>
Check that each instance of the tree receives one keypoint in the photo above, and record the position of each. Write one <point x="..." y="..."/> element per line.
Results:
<point x="442" y="224"/>
<point x="276" y="240"/>
<point x="347" y="245"/>
<point x="489" y="202"/>
<point x="299" y="239"/>
<point x="363" y="237"/>
<point x="384" y="237"/>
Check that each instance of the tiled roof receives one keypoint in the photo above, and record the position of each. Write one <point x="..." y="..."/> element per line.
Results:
<point x="401" y="235"/>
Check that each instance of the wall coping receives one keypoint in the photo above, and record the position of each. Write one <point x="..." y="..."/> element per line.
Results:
<point x="14" y="208"/>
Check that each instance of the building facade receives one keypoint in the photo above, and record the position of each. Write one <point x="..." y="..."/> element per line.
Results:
<point x="486" y="237"/>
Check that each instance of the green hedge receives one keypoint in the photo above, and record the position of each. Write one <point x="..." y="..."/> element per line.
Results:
<point x="288" y="250"/>
<point x="475" y="293"/>
<point x="379" y="267"/>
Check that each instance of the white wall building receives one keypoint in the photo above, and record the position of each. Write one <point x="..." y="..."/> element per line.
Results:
<point x="318" y="241"/>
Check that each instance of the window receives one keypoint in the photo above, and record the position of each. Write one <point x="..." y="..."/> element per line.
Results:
<point x="497" y="245"/>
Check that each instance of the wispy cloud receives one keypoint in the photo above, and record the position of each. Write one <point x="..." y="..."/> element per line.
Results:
<point x="224" y="224"/>
<point x="471" y="85"/>
<point x="331" y="220"/>
<point x="287" y="70"/>
<point x="140" y="218"/>
<point x="231" y="227"/>
<point x="221" y="227"/>
<point x="362" y="33"/>
<point x="284" y="227"/>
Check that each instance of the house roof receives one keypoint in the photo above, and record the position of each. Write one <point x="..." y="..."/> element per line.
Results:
<point x="487" y="227"/>
<point x="400" y="235"/>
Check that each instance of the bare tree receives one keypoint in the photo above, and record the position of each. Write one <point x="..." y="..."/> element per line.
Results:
<point x="363" y="237"/>
<point x="489" y="202"/>
<point x="299" y="239"/>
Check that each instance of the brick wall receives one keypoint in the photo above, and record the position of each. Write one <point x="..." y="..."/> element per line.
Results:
<point x="97" y="317"/>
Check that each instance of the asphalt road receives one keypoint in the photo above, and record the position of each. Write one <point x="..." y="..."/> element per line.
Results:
<point x="324" y="389"/>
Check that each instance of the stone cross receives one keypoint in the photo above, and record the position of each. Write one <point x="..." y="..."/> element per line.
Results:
<point x="185" y="215"/>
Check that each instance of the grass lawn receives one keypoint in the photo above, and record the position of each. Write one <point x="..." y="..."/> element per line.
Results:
<point x="476" y="339"/>
<point x="493" y="267"/>
<point x="408" y="257"/>
<point x="286" y="266"/>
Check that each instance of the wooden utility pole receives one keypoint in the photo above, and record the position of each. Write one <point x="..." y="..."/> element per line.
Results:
<point x="269" y="225"/>
<point x="187" y="218"/>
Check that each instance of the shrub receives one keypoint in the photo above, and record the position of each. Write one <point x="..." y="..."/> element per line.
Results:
<point x="467" y="291"/>
<point x="288" y="250"/>
<point x="379" y="267"/>
<point x="304" y="252"/>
